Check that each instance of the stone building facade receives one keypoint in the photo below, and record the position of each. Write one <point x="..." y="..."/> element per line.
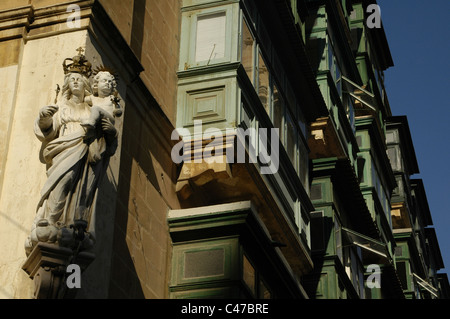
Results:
<point x="213" y="224"/>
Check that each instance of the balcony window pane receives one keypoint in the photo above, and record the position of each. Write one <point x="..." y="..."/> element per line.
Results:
<point x="330" y="57"/>
<point x="211" y="33"/>
<point x="303" y="163"/>
<point x="291" y="139"/>
<point x="392" y="154"/>
<point x="249" y="274"/>
<point x="350" y="110"/>
<point x="263" y="83"/>
<point x="338" y="79"/>
<point x="338" y="239"/>
<point x="302" y="121"/>
<point x="264" y="293"/>
<point x="248" y="43"/>
<point x="278" y="111"/>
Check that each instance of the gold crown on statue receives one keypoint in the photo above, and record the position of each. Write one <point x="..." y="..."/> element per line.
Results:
<point x="78" y="64"/>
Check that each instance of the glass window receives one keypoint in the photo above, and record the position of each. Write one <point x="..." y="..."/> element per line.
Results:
<point x="330" y="57"/>
<point x="278" y="111"/>
<point x="264" y="293"/>
<point x="402" y="273"/>
<point x="392" y="137"/>
<point x="248" y="274"/>
<point x="303" y="164"/>
<point x="211" y="34"/>
<point x="354" y="269"/>
<point x="348" y="263"/>
<point x="291" y="139"/>
<point x="400" y="187"/>
<point x="337" y="78"/>
<point x="254" y="281"/>
<point x="334" y="68"/>
<point x="263" y="83"/>
<point x="392" y="154"/>
<point x="379" y="80"/>
<point x="350" y="111"/>
<point x="338" y="239"/>
<point x="248" y="46"/>
<point x="302" y="122"/>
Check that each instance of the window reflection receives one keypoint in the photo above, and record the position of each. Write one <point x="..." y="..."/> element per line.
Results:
<point x="264" y="293"/>
<point x="338" y="239"/>
<point x="334" y="68"/>
<point x="263" y="83"/>
<point x="248" y="43"/>
<point x="278" y="110"/>
<point x="254" y="281"/>
<point x="303" y="163"/>
<point x="291" y="139"/>
<point x="248" y="274"/>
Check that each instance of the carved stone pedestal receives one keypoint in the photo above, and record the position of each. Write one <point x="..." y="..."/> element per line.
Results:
<point x="47" y="265"/>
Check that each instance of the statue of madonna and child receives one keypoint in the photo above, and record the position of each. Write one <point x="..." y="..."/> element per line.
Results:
<point x="78" y="137"/>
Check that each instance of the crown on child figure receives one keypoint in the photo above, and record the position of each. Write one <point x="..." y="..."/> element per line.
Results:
<point x="78" y="64"/>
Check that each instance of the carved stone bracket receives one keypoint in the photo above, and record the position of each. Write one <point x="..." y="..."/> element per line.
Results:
<point x="47" y="265"/>
<point x="198" y="170"/>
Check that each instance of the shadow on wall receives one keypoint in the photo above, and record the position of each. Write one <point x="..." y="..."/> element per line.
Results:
<point x="94" y="280"/>
<point x="137" y="28"/>
<point x="124" y="280"/>
<point x="315" y="46"/>
<point x="146" y="189"/>
<point x="321" y="229"/>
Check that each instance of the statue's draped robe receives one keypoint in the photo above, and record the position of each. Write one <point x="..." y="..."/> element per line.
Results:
<point x="74" y="167"/>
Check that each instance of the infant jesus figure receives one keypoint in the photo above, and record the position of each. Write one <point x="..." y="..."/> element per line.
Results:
<point x="104" y="101"/>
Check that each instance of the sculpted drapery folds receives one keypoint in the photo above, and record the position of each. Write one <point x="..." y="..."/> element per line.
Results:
<point x="77" y="145"/>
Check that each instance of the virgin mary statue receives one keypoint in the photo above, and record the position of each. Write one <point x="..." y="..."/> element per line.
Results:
<point x="75" y="163"/>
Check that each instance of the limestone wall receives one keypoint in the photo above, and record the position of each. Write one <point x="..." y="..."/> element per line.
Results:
<point x="133" y="249"/>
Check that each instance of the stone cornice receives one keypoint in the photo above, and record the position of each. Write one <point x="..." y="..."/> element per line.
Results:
<point x="52" y="20"/>
<point x="14" y="23"/>
<point x="31" y="23"/>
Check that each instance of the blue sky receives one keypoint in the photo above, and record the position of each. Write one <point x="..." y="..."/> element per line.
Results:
<point x="418" y="85"/>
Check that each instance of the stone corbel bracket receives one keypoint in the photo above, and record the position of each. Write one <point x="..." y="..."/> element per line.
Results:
<point x="198" y="170"/>
<point x="47" y="266"/>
